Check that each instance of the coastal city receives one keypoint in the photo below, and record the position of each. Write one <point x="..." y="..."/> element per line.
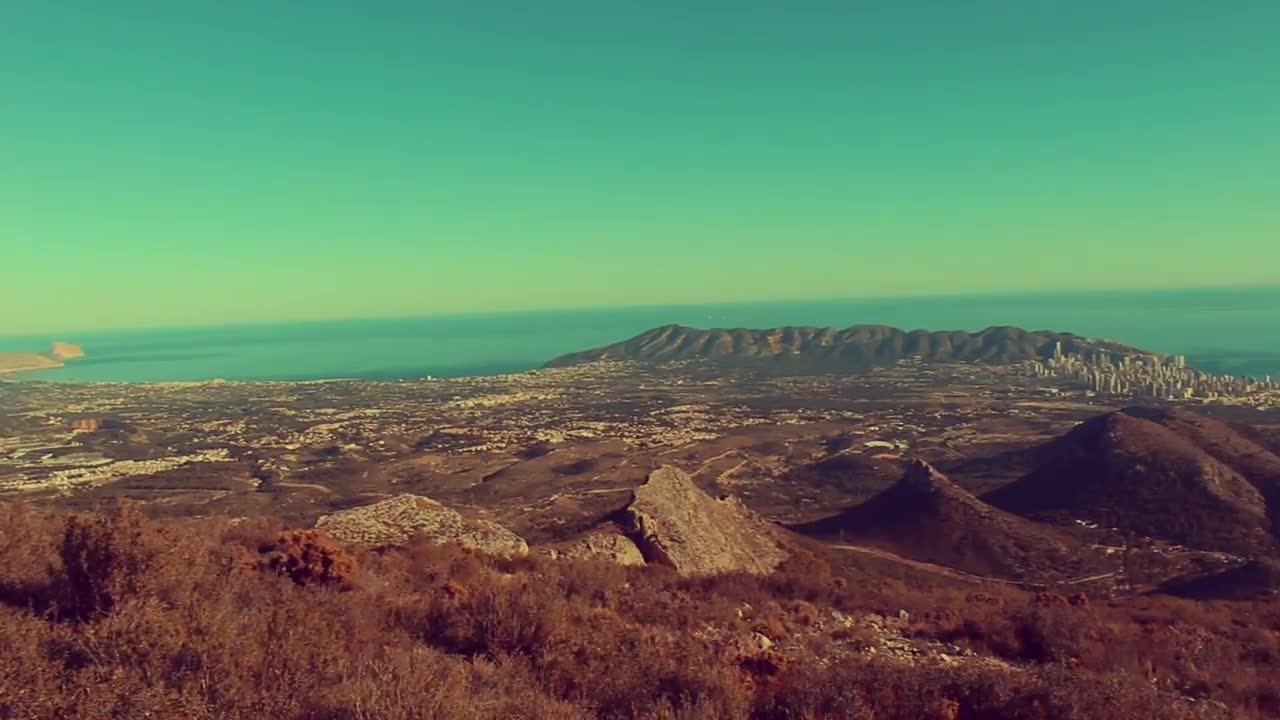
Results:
<point x="1152" y="377"/>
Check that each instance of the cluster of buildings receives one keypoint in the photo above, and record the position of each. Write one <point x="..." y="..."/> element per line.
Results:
<point x="1146" y="376"/>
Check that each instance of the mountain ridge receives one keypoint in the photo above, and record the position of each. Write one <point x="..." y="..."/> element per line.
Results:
<point x="854" y="347"/>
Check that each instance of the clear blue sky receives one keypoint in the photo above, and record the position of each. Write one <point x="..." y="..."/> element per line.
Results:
<point x="199" y="162"/>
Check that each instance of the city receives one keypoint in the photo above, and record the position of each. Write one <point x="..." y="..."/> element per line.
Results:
<point x="1151" y="376"/>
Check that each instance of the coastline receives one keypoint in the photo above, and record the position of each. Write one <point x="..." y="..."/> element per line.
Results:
<point x="12" y="363"/>
<point x="26" y="363"/>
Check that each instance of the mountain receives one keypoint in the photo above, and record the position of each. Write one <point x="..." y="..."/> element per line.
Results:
<point x="1165" y="473"/>
<point x="925" y="516"/>
<point x="855" y="348"/>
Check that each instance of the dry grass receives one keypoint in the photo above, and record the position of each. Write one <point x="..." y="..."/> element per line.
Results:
<point x="114" y="616"/>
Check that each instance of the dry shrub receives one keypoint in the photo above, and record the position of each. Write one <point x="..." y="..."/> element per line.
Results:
<point x="105" y="560"/>
<point x="110" y="615"/>
<point x="28" y="556"/>
<point x="886" y="690"/>
<point x="309" y="557"/>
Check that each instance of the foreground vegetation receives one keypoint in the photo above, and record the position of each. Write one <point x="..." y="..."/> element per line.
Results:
<point x="112" y="615"/>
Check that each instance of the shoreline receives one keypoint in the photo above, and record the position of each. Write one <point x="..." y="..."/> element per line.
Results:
<point x="6" y="371"/>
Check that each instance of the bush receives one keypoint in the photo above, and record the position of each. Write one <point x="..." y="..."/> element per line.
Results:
<point x="309" y="557"/>
<point x="109" y="615"/>
<point x="105" y="559"/>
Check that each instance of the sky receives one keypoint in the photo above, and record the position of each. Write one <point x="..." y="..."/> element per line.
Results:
<point x="210" y="162"/>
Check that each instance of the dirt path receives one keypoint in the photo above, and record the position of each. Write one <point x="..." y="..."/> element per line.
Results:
<point x="960" y="574"/>
<point x="309" y="486"/>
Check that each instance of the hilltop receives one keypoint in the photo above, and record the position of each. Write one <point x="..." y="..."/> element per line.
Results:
<point x="925" y="516"/>
<point x="1166" y="473"/>
<point x="855" y="348"/>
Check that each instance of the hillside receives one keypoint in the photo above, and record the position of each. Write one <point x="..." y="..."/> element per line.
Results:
<point x="855" y="348"/>
<point x="1169" y="474"/>
<point x="927" y="517"/>
<point x="107" y="616"/>
<point x="1258" y="578"/>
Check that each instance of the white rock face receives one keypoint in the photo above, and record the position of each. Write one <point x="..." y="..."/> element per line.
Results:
<point x="397" y="519"/>
<point x="675" y="523"/>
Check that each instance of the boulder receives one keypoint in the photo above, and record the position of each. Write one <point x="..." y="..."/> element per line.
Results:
<point x="602" y="546"/>
<point x="675" y="523"/>
<point x="395" y="520"/>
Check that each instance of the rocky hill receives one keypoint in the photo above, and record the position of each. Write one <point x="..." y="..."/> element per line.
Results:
<point x="1168" y="474"/>
<point x="925" y="516"/>
<point x="854" y="348"/>
<point x="675" y="523"/>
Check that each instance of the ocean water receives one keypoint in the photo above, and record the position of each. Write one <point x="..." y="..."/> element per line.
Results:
<point x="1235" y="331"/>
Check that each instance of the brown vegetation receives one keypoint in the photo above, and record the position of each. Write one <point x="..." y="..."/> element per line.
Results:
<point x="114" y="616"/>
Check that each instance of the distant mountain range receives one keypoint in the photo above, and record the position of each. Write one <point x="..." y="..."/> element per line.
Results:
<point x="854" y="348"/>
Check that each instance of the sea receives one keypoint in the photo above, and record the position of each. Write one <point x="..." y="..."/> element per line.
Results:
<point x="1229" y="331"/>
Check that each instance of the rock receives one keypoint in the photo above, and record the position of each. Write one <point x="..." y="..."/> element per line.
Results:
<point x="609" y="546"/>
<point x="761" y="642"/>
<point x="394" y="520"/>
<point x="842" y="620"/>
<point x="904" y="616"/>
<point x="677" y="524"/>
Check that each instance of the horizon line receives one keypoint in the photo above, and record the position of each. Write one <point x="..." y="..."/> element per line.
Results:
<point x="70" y="335"/>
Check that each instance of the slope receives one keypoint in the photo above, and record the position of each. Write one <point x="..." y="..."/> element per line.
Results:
<point x="927" y="517"/>
<point x="1169" y="474"/>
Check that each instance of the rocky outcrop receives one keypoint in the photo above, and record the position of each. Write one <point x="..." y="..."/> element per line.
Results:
<point x="610" y="546"/>
<point x="677" y="524"/>
<point x="395" y="520"/>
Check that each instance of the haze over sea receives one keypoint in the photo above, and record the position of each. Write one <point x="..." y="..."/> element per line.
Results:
<point x="1233" y="331"/>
